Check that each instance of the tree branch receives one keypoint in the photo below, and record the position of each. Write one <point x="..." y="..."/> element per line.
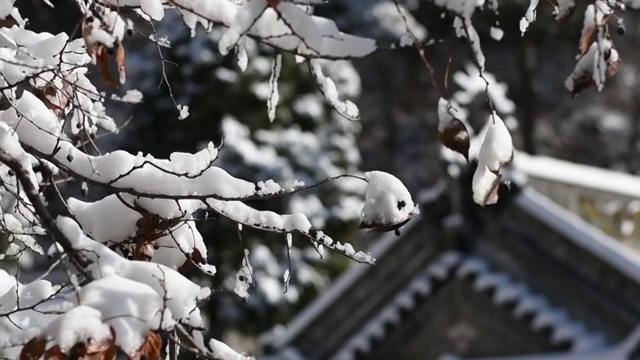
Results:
<point x="48" y="222"/>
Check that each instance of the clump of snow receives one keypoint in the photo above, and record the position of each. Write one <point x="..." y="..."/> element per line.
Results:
<point x="119" y="300"/>
<point x="496" y="151"/>
<point x="81" y="324"/>
<point x="180" y="295"/>
<point x="496" y="33"/>
<point x="529" y="16"/>
<point x="387" y="201"/>
<point x="244" y="277"/>
<point x="329" y="91"/>
<point x="184" y="111"/>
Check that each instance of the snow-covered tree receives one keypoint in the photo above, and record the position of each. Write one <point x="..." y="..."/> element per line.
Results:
<point x="125" y="254"/>
<point x="123" y="257"/>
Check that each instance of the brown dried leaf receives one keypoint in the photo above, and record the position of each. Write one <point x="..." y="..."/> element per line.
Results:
<point x="612" y="69"/>
<point x="581" y="84"/>
<point x="586" y="81"/>
<point x="194" y="257"/>
<point x="8" y="22"/>
<point x="104" y="66"/>
<point x="50" y="96"/>
<point x="456" y="137"/>
<point x="121" y="62"/>
<point x="33" y="349"/>
<point x="587" y="39"/>
<point x="54" y="354"/>
<point x="151" y="349"/>
<point x="94" y="351"/>
<point x="144" y="250"/>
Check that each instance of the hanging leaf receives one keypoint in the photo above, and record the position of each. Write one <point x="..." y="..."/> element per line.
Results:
<point x="144" y="249"/>
<point x="102" y="58"/>
<point x="190" y="263"/>
<point x="587" y="38"/>
<point x="121" y="63"/>
<point x="456" y="137"/>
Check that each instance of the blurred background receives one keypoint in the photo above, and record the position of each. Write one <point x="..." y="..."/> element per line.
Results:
<point x="397" y="97"/>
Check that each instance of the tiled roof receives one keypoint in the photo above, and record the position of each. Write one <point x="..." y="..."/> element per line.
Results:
<point x="451" y="266"/>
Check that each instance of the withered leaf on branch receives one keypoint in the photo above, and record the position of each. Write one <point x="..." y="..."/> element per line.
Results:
<point x="121" y="63"/>
<point x="583" y="76"/>
<point x="587" y="39"/>
<point x="33" y="349"/>
<point x="190" y="263"/>
<point x="8" y="22"/>
<point x="144" y="250"/>
<point x="55" y="353"/>
<point x="53" y="98"/>
<point x="151" y="349"/>
<point x="456" y="137"/>
<point x="565" y="11"/>
<point x="106" y="350"/>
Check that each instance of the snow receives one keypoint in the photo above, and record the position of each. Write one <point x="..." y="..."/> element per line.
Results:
<point x="246" y="17"/>
<point x="497" y="147"/>
<point x="184" y="111"/>
<point x="61" y="105"/>
<point x="78" y="325"/>
<point x="387" y="201"/>
<point x="496" y="151"/>
<point x="7" y="282"/>
<point x="274" y="95"/>
<point x="118" y="300"/>
<point x="464" y="29"/>
<point x="496" y="33"/>
<point x="472" y="85"/>
<point x="583" y="176"/>
<point x="131" y="96"/>
<point x="221" y="350"/>
<point x="529" y="16"/>
<point x="583" y="234"/>
<point x="108" y="29"/>
<point x="10" y="148"/>
<point x="244" y="277"/>
<point x="444" y="114"/>
<point x="179" y="242"/>
<point x="329" y="91"/>
<point x="564" y="9"/>
<point x="182" y="296"/>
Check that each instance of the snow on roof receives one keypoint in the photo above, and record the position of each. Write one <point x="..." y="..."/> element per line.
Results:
<point x="452" y="264"/>
<point x="566" y="172"/>
<point x="621" y="351"/>
<point x="581" y="233"/>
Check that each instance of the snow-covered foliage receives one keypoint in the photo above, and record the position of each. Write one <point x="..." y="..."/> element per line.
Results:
<point x="127" y="254"/>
